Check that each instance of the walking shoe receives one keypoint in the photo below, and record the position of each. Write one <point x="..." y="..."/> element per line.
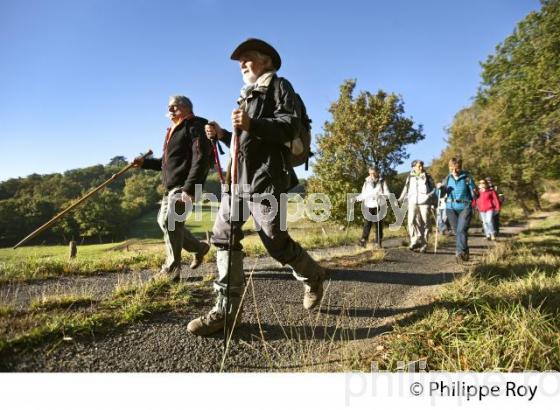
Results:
<point x="362" y="243"/>
<point x="492" y="237"/>
<point x="423" y="249"/>
<point x="208" y="324"/>
<point x="198" y="258"/>
<point x="462" y="257"/>
<point x="412" y="248"/>
<point x="212" y="322"/>
<point x="314" y="293"/>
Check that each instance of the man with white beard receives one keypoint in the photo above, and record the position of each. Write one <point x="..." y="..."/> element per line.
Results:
<point x="267" y="119"/>
<point x="184" y="165"/>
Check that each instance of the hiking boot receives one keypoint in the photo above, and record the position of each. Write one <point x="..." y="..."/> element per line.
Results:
<point x="174" y="275"/>
<point x="307" y="270"/>
<point x="198" y="258"/>
<point x="362" y="242"/>
<point x="423" y="249"/>
<point x="313" y="294"/>
<point x="462" y="257"/>
<point x="492" y="237"/>
<point x="213" y="322"/>
<point x="488" y="238"/>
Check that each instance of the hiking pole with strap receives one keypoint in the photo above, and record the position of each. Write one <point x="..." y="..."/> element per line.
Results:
<point x="78" y="202"/>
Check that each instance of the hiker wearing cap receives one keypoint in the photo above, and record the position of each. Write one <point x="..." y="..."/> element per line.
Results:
<point x="460" y="190"/>
<point x="488" y="204"/>
<point x="266" y="119"/>
<point x="419" y="190"/>
<point x="184" y="164"/>
<point x="374" y="190"/>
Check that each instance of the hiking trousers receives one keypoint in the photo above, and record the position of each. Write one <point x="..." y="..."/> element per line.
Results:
<point x="267" y="222"/>
<point x="378" y="228"/>
<point x="460" y="221"/>
<point x="487" y="218"/>
<point x="175" y="235"/>
<point x="418" y="225"/>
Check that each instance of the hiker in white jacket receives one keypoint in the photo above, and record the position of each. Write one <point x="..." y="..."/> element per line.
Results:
<point x="374" y="190"/>
<point x="420" y="191"/>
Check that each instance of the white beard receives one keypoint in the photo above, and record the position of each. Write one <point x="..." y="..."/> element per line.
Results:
<point x="170" y="116"/>
<point x="249" y="78"/>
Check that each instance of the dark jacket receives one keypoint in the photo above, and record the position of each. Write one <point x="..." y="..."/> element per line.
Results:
<point x="187" y="159"/>
<point x="263" y="158"/>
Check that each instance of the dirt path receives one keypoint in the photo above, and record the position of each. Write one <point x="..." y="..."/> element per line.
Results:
<point x="277" y="334"/>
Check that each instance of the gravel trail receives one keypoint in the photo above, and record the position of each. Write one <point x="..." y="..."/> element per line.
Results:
<point x="276" y="333"/>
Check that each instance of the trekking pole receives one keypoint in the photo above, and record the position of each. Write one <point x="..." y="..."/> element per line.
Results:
<point x="217" y="160"/>
<point x="378" y="224"/>
<point x="233" y="193"/>
<point x="437" y="231"/>
<point x="78" y="202"/>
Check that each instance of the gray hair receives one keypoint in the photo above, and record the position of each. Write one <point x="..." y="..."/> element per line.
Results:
<point x="182" y="101"/>
<point x="257" y="55"/>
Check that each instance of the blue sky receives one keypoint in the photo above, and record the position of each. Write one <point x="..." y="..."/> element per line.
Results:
<point x="83" y="81"/>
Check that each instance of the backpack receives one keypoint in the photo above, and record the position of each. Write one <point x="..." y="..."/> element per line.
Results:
<point x="300" y="146"/>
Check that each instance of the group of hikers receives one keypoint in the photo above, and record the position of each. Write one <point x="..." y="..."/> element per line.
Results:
<point x="454" y="199"/>
<point x="261" y="143"/>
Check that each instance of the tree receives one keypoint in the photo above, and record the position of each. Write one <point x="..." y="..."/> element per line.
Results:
<point x="140" y="193"/>
<point x="512" y="130"/>
<point x="118" y="161"/>
<point x="370" y="129"/>
<point x="102" y="216"/>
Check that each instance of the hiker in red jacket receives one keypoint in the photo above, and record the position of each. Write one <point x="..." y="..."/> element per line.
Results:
<point x="488" y="204"/>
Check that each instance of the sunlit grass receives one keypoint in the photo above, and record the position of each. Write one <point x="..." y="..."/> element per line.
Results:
<point x="503" y="315"/>
<point x="53" y="319"/>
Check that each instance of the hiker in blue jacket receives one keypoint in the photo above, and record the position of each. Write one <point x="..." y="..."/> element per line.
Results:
<point x="461" y="191"/>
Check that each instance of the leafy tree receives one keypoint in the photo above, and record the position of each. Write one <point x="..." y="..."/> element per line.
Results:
<point x="370" y="129"/>
<point x="512" y="130"/>
<point x="118" y="161"/>
<point x="102" y="216"/>
<point x="140" y="193"/>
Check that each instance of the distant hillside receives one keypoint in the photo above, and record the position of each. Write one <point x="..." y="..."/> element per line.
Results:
<point x="111" y="215"/>
<point x="26" y="203"/>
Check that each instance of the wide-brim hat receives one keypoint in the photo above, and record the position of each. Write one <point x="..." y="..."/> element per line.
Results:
<point x="254" y="44"/>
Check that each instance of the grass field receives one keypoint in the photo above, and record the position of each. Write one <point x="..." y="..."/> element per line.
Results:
<point x="147" y="227"/>
<point x="145" y="249"/>
<point x="62" y="318"/>
<point x="503" y="315"/>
